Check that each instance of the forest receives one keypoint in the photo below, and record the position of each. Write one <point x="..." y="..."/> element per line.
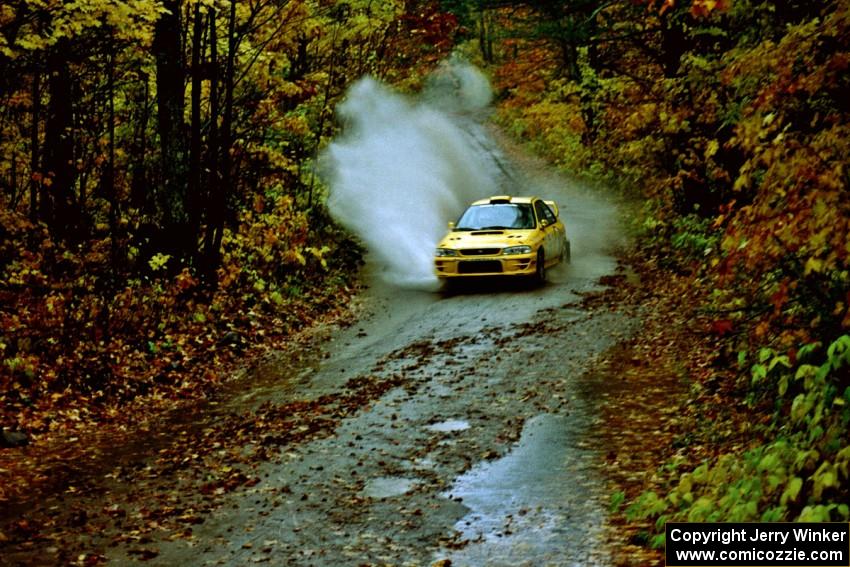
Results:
<point x="159" y="197"/>
<point x="730" y="120"/>
<point x="163" y="216"/>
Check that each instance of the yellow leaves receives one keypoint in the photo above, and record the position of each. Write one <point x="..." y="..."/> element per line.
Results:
<point x="31" y="43"/>
<point x="277" y="298"/>
<point x="361" y="25"/>
<point x="7" y="14"/>
<point x="319" y="254"/>
<point x="296" y="256"/>
<point x="674" y="122"/>
<point x="297" y="125"/>
<point x="813" y="265"/>
<point x="820" y="209"/>
<point x="751" y="132"/>
<point x="158" y="261"/>
<point x="686" y="484"/>
<point x="5" y="50"/>
<point x="289" y="89"/>
<point x="55" y="305"/>
<point x="640" y="117"/>
<point x="711" y="148"/>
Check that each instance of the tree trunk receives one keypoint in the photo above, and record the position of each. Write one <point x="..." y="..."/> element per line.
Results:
<point x="139" y="181"/>
<point x="214" y="216"/>
<point x="219" y="205"/>
<point x="34" y="147"/>
<point x="674" y="43"/>
<point x="60" y="173"/>
<point x="590" y="82"/>
<point x="109" y="182"/>
<point x="13" y="181"/>
<point x="167" y="49"/>
<point x="322" y="113"/>
<point x="193" y="200"/>
<point x="485" y="40"/>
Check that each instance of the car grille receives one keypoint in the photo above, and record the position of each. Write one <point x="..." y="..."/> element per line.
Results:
<point x="483" y="267"/>
<point x="480" y="251"/>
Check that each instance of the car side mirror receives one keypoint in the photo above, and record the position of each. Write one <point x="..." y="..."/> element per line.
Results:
<point x="451" y="225"/>
<point x="544" y="223"/>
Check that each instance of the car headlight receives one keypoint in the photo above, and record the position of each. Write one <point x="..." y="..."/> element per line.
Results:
<point x="446" y="252"/>
<point x="516" y="250"/>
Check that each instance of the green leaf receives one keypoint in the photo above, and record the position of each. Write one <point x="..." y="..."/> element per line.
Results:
<point x="825" y="477"/>
<point x="806" y="350"/>
<point x="783" y="360"/>
<point x="792" y="490"/>
<point x="768" y="463"/>
<point x="799" y="407"/>
<point x="819" y="513"/>
<point x="783" y="385"/>
<point x="839" y="352"/>
<point x="805" y="371"/>
<point x="617" y="500"/>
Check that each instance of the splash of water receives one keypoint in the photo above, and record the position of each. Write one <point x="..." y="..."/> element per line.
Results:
<point x="403" y="167"/>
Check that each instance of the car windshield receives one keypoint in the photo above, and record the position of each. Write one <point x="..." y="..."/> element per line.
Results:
<point x="501" y="215"/>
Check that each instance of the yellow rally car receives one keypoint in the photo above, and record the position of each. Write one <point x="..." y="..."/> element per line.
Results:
<point x="504" y="236"/>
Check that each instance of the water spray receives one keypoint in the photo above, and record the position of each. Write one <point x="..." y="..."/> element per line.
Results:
<point x="404" y="166"/>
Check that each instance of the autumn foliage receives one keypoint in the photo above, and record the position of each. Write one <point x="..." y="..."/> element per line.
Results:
<point x="730" y="121"/>
<point x="160" y="214"/>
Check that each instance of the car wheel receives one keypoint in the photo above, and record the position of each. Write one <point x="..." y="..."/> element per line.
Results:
<point x="447" y="285"/>
<point x="540" y="269"/>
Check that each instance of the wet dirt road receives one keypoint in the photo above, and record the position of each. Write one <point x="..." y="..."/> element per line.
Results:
<point x="479" y="450"/>
<point x="482" y="453"/>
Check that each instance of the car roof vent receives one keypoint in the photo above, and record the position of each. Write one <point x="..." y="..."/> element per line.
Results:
<point x="500" y="199"/>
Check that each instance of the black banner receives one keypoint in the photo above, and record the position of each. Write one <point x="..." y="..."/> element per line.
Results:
<point x="758" y="544"/>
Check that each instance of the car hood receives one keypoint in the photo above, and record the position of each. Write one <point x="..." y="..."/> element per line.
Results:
<point x="485" y="238"/>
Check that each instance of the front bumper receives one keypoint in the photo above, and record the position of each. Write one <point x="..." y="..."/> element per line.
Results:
<point x="464" y="266"/>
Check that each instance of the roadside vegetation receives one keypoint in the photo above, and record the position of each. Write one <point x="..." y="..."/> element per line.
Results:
<point x="161" y="217"/>
<point x="729" y="120"/>
<point x="160" y="213"/>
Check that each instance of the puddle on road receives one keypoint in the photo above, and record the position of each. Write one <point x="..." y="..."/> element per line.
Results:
<point x="449" y="426"/>
<point x="537" y="505"/>
<point x="389" y="486"/>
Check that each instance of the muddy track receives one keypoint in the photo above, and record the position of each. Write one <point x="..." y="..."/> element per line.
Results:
<point x="470" y="437"/>
<point x="483" y="451"/>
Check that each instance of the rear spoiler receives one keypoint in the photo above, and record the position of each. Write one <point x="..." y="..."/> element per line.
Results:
<point x="554" y="207"/>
